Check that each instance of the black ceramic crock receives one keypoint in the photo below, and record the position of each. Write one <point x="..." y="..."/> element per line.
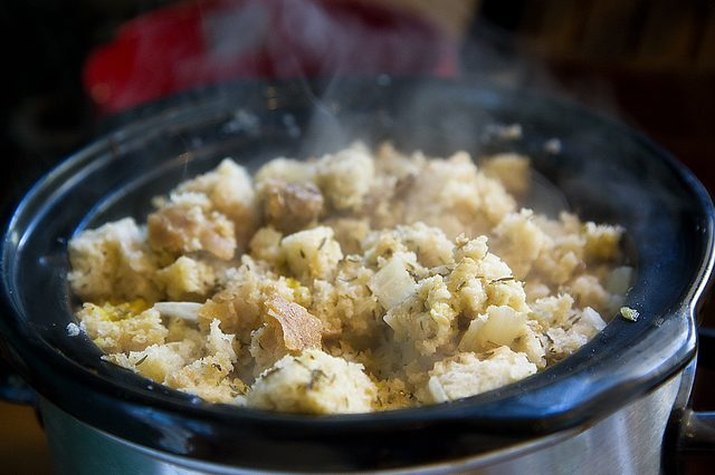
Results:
<point x="607" y="173"/>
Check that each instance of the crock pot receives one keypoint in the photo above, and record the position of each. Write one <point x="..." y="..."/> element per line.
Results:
<point x="612" y="407"/>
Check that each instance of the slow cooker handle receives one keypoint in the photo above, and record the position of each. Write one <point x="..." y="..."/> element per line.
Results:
<point x="697" y="429"/>
<point x="12" y="387"/>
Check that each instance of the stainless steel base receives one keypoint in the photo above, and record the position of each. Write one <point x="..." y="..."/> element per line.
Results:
<point x="626" y="442"/>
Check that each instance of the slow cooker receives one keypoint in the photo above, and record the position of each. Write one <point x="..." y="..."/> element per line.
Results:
<point x="615" y="406"/>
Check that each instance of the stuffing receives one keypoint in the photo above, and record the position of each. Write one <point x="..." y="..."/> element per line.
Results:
<point x="188" y="367"/>
<point x="187" y="223"/>
<point x="130" y="326"/>
<point x="208" y="379"/>
<point x="230" y="190"/>
<point x="112" y="262"/>
<point x="588" y="292"/>
<point x="572" y="333"/>
<point x="287" y="170"/>
<point x="563" y="342"/>
<point x="356" y="281"/>
<point x="425" y="319"/>
<point x="451" y="195"/>
<point x="345" y="177"/>
<point x="430" y="244"/>
<point x="187" y="279"/>
<point x="266" y="347"/>
<point x="601" y="241"/>
<point x="187" y="311"/>
<point x="553" y="310"/>
<point x="157" y="361"/>
<point x="290" y="207"/>
<point x="265" y="246"/>
<point x="500" y="326"/>
<point x="240" y="306"/>
<point x="392" y="284"/>
<point x="312" y="254"/>
<point x="313" y="382"/>
<point x="393" y="393"/>
<point x="299" y="328"/>
<point x="347" y="307"/>
<point x="511" y="169"/>
<point x="349" y="232"/>
<point x="519" y="242"/>
<point x="468" y="374"/>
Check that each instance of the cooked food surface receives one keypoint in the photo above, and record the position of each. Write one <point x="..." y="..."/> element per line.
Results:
<point x="354" y="282"/>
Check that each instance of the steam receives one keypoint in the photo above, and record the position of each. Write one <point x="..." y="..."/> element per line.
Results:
<point x="339" y="40"/>
<point x="310" y="38"/>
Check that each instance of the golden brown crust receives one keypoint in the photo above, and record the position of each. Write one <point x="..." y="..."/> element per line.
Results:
<point x="180" y="228"/>
<point x="301" y="330"/>
<point x="289" y="207"/>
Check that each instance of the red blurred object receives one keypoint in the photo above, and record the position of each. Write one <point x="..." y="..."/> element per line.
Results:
<point x="206" y="42"/>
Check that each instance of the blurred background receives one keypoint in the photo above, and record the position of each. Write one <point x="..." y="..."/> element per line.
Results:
<point x="71" y="68"/>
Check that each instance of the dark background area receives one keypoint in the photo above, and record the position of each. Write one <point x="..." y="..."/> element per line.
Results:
<point x="649" y="63"/>
<point x="44" y="113"/>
